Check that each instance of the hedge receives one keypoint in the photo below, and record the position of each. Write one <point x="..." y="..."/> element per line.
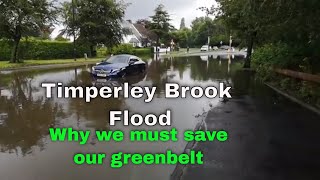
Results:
<point x="37" y="49"/>
<point x="129" y="49"/>
<point x="143" y="51"/>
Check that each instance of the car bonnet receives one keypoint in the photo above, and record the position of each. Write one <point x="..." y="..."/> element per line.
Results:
<point x="109" y="67"/>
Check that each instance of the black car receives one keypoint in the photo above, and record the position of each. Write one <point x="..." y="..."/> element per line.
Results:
<point x="119" y="66"/>
<point x="112" y="82"/>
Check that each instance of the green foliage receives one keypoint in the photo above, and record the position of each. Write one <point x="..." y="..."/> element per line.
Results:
<point x="278" y="55"/>
<point x="129" y="49"/>
<point x="21" y="18"/>
<point x="201" y="29"/>
<point x="285" y="83"/>
<point x="304" y="90"/>
<point x="182" y="37"/>
<point x="5" y="50"/>
<point x="261" y="22"/>
<point x="143" y="51"/>
<point x="36" y="49"/>
<point x="204" y="26"/>
<point x="160" y="23"/>
<point x="308" y="92"/>
<point x="122" y="49"/>
<point x="102" y="52"/>
<point x="271" y="56"/>
<point x="96" y="21"/>
<point x="60" y="38"/>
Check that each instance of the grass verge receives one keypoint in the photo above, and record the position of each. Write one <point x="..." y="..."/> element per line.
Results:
<point x="6" y="65"/>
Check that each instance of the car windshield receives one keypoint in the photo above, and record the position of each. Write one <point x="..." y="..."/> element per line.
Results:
<point x="204" y="46"/>
<point x="118" y="59"/>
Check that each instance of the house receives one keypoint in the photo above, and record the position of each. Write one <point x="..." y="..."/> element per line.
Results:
<point x="137" y="34"/>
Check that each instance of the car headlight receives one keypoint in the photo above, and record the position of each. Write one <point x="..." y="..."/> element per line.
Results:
<point x="114" y="70"/>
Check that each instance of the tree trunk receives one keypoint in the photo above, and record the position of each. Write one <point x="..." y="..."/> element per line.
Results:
<point x="14" y="54"/>
<point x="158" y="44"/>
<point x="91" y="51"/>
<point x="252" y="37"/>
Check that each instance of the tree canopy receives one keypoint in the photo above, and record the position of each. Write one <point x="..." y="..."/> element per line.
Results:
<point x="258" y="21"/>
<point x="23" y="18"/>
<point x="95" y="21"/>
<point x="160" y="22"/>
<point x="182" y="23"/>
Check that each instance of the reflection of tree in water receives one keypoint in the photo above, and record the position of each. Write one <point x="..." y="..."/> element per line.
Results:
<point x="28" y="118"/>
<point x="244" y="83"/>
<point x="96" y="113"/>
<point x="201" y="70"/>
<point x="157" y="73"/>
<point x="211" y="70"/>
<point x="180" y="64"/>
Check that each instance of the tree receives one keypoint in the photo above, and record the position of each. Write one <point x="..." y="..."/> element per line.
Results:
<point x="202" y="28"/>
<point x="251" y="19"/>
<point x="21" y="18"/>
<point x="182" y="24"/>
<point x="182" y="37"/>
<point x="96" y="21"/>
<point x="146" y="23"/>
<point x="160" y="23"/>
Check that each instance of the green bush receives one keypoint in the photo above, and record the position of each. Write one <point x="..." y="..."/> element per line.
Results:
<point x="276" y="55"/>
<point x="122" y="49"/>
<point x="102" y="52"/>
<point x="143" y="51"/>
<point x="129" y="49"/>
<point x="270" y="56"/>
<point x="37" y="49"/>
<point x="5" y="50"/>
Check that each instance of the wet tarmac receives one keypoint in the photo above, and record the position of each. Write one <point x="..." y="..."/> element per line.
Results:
<point x="265" y="139"/>
<point x="269" y="138"/>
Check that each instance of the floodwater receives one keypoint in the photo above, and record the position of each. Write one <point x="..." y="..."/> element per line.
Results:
<point x="26" y="151"/>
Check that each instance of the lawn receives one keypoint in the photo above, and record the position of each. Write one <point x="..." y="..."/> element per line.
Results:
<point x="7" y="65"/>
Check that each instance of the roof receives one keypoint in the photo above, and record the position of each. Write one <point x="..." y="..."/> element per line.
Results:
<point x="145" y="32"/>
<point x="134" y="40"/>
<point x="126" y="55"/>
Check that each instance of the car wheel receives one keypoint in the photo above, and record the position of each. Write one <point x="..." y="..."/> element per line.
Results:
<point x="142" y="70"/>
<point x="122" y="74"/>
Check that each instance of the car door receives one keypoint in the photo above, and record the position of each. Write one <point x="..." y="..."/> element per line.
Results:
<point x="133" y="67"/>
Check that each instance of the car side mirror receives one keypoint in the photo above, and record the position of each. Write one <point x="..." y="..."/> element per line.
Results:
<point x="131" y="62"/>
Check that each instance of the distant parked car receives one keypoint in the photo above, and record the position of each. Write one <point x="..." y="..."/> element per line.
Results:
<point x="246" y="50"/>
<point x="119" y="66"/>
<point x="204" y="48"/>
<point x="215" y="48"/>
<point x="225" y="47"/>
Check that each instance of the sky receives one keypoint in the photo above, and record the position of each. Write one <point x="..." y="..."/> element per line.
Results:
<point x="177" y="9"/>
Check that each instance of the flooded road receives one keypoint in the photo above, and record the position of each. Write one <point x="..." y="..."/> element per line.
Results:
<point x="26" y="151"/>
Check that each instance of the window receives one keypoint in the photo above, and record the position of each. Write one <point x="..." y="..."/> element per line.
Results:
<point x="134" y="60"/>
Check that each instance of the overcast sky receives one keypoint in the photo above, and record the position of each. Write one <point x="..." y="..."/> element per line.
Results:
<point x="177" y="9"/>
<point x="142" y="9"/>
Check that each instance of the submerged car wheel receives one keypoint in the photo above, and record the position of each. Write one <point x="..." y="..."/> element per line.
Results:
<point x="122" y="74"/>
<point x="143" y="70"/>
